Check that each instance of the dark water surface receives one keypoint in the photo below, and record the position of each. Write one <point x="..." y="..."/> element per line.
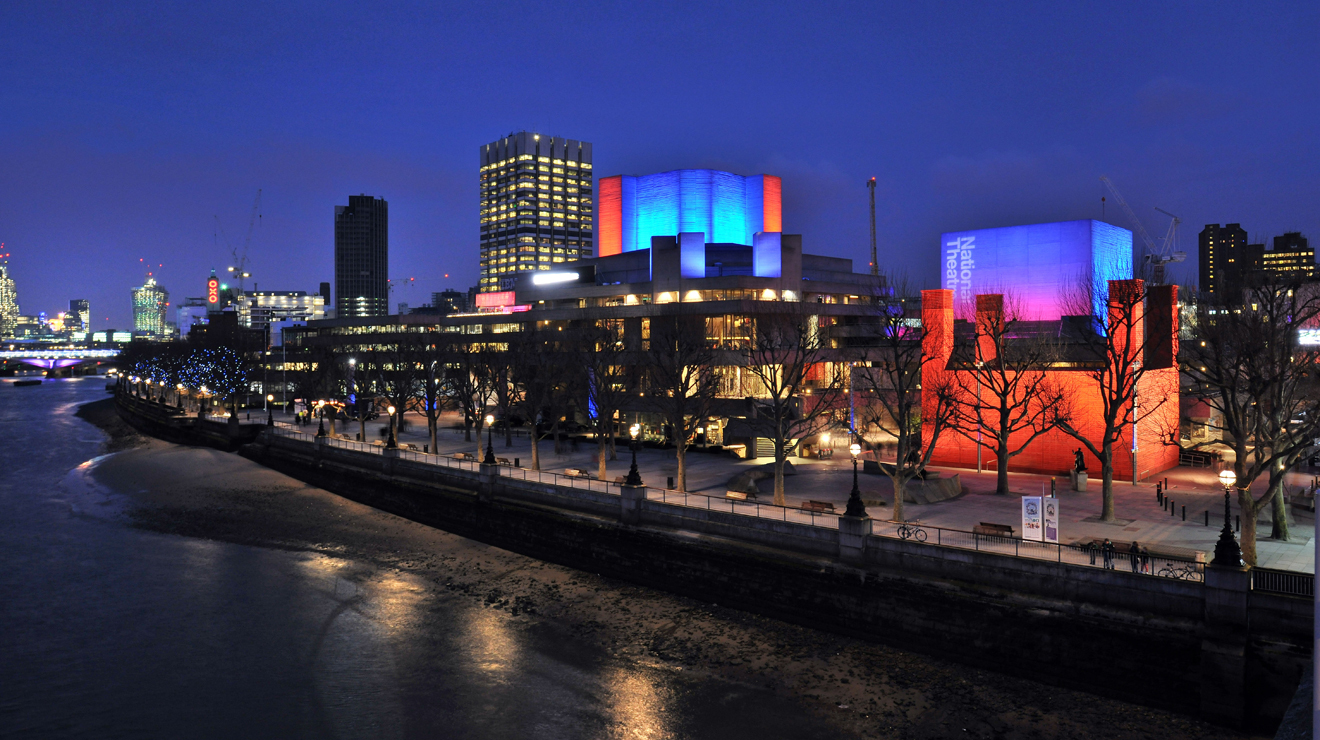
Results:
<point x="110" y="631"/>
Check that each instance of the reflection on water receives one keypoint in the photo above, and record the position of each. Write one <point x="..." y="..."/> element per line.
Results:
<point x="114" y="632"/>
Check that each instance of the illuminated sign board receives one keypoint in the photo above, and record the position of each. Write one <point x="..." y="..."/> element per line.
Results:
<point x="1308" y="337"/>
<point x="551" y="278"/>
<point x="1036" y="267"/>
<point x="492" y="300"/>
<point x="213" y="291"/>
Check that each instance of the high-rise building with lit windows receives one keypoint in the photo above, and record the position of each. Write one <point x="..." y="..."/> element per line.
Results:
<point x="362" y="257"/>
<point x="536" y="205"/>
<point x="150" y="306"/>
<point x="8" y="302"/>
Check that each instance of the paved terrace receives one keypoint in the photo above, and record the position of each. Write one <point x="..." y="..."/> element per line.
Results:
<point x="1140" y="517"/>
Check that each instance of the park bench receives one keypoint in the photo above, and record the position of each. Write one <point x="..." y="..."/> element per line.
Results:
<point x="464" y="456"/>
<point x="994" y="530"/>
<point x="738" y="495"/>
<point x="503" y="461"/>
<point x="576" y="473"/>
<point x="619" y="479"/>
<point x="822" y="506"/>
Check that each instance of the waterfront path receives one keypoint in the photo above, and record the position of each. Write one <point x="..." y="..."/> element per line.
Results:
<point x="1139" y="516"/>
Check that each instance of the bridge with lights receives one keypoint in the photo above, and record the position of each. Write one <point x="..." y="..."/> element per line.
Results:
<point x="57" y="357"/>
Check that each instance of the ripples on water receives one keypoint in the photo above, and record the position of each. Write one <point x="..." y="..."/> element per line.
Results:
<point x="114" y="632"/>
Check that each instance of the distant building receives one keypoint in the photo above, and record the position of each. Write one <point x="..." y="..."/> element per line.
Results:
<point x="450" y="301"/>
<point x="8" y="303"/>
<point x="258" y="310"/>
<point x="403" y="308"/>
<point x="362" y="257"/>
<point x="536" y="205"/>
<point x="191" y="312"/>
<point x="150" y="303"/>
<point x="1291" y="258"/>
<point x="1225" y="259"/>
<point x="80" y="315"/>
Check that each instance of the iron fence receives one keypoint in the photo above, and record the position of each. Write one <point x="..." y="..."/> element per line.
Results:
<point x="744" y="507"/>
<point x="1283" y="582"/>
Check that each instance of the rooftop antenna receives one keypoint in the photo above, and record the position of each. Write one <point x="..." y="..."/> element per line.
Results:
<point x="875" y="265"/>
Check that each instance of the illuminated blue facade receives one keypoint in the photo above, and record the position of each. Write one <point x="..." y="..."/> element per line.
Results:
<point x="1038" y="267"/>
<point x="724" y="207"/>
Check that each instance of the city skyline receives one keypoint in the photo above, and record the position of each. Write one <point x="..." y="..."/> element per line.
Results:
<point x="112" y="161"/>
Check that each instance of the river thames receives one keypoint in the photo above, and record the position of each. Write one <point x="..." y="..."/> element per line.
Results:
<point x="169" y="591"/>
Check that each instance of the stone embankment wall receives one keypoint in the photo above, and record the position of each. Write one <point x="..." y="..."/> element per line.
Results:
<point x="163" y="422"/>
<point x="1213" y="649"/>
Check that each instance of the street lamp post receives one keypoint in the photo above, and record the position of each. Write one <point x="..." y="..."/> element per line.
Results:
<point x="391" y="442"/>
<point x="1227" y="552"/>
<point x="634" y="477"/>
<point x="489" y="459"/>
<point x="270" y="410"/>
<point x="855" y="506"/>
<point x="178" y="395"/>
<point x="320" y="416"/>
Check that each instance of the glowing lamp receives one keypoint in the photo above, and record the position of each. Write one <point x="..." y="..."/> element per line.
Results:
<point x="825" y="438"/>
<point x="634" y="429"/>
<point x="490" y="419"/>
<point x="391" y="410"/>
<point x="855" y="449"/>
<point x="1228" y="478"/>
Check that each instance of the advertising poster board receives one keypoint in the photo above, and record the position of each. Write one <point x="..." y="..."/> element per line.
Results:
<point x="1031" y="518"/>
<point x="1051" y="531"/>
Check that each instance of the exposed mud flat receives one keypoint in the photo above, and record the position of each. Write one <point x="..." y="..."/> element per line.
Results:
<point x="854" y="686"/>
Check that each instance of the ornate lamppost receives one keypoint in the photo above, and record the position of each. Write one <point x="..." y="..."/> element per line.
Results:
<point x="1227" y="552"/>
<point x="489" y="459"/>
<point x="855" y="506"/>
<point x="270" y="411"/>
<point x="390" y="441"/>
<point x="634" y="477"/>
<point x="320" y="424"/>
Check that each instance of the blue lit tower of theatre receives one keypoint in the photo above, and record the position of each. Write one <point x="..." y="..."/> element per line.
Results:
<point x="362" y="257"/>
<point x="536" y="205"/>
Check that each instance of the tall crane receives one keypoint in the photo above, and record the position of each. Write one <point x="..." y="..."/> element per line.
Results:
<point x="239" y="268"/>
<point x="875" y="264"/>
<point x="1156" y="256"/>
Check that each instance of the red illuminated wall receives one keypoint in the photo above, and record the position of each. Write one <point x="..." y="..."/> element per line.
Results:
<point x="610" y="239"/>
<point x="1052" y="453"/>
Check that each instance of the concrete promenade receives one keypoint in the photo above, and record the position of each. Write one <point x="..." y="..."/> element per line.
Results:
<point x="1139" y="516"/>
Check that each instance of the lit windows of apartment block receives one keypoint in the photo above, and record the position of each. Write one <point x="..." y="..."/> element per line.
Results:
<point x="536" y="198"/>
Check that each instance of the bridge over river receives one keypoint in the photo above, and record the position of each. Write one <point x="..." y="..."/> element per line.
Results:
<point x="55" y="358"/>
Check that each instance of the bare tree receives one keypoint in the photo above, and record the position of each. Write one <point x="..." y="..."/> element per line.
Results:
<point x="1113" y="348"/>
<point x="537" y="372"/>
<point x="680" y="381"/>
<point x="501" y="364"/>
<point x="1245" y="361"/>
<point x="892" y="384"/>
<point x="1005" y="398"/>
<point x="799" y="384"/>
<point x="400" y="368"/>
<point x="469" y="384"/>
<point x="432" y="389"/>
<point x="603" y="382"/>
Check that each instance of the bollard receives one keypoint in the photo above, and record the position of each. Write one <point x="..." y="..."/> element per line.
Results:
<point x="669" y="482"/>
<point x="1237" y="522"/>
<point x="426" y="449"/>
<point x="517" y="462"/>
<point x="1173" y="508"/>
<point x="1184" y="513"/>
<point x="1207" y="517"/>
<point x="1166" y="484"/>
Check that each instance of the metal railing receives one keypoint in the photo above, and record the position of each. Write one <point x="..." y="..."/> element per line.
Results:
<point x="559" y="479"/>
<point x="1283" y="582"/>
<point x="1092" y="555"/>
<point x="744" y="507"/>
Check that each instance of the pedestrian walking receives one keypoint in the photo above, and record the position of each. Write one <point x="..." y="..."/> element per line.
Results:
<point x="1090" y="550"/>
<point x="1107" y="550"/>
<point x="1145" y="559"/>
<point x="1134" y="555"/>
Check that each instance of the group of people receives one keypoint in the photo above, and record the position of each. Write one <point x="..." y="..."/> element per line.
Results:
<point x="1138" y="555"/>
<point x="302" y="418"/>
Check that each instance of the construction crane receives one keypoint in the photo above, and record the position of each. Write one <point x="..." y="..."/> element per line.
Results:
<point x="1157" y="256"/>
<point x="239" y="268"/>
<point x="875" y="264"/>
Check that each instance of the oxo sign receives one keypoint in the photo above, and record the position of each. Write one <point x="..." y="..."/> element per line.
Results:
<point x="212" y="291"/>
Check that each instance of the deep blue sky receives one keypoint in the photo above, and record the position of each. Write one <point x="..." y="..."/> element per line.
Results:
<point x="125" y="129"/>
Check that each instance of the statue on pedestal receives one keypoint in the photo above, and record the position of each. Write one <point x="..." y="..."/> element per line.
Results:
<point x="1079" y="464"/>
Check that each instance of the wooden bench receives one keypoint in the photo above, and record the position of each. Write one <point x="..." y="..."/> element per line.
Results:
<point x="620" y="479"/>
<point x="823" y="506"/>
<point x="738" y="495"/>
<point x="994" y="530"/>
<point x="576" y="473"/>
<point x="464" y="456"/>
<point x="504" y="461"/>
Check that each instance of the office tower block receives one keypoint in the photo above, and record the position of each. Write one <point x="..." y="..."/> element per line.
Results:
<point x="362" y="257"/>
<point x="1225" y="259"/>
<point x="80" y="315"/>
<point x="536" y="205"/>
<point x="150" y="304"/>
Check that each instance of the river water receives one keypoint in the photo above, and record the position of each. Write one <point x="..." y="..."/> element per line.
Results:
<point x="110" y="630"/>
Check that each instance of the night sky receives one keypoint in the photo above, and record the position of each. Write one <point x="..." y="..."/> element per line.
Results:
<point x="128" y="128"/>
